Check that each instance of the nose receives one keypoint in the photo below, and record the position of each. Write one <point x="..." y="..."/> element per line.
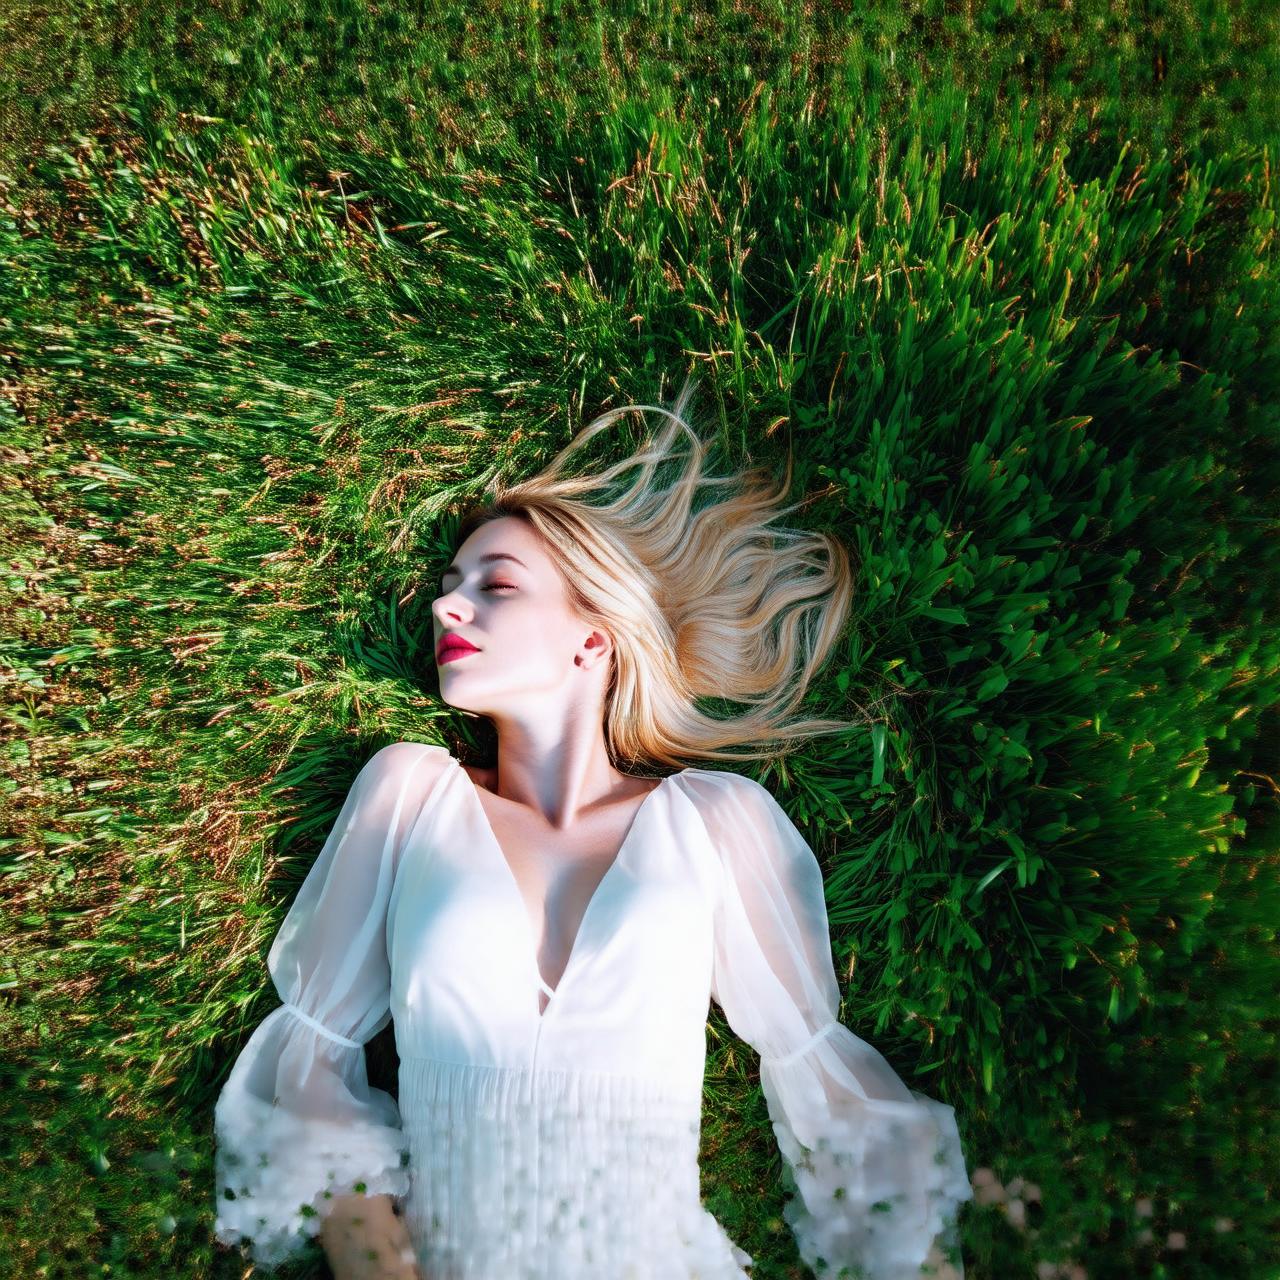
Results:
<point x="446" y="606"/>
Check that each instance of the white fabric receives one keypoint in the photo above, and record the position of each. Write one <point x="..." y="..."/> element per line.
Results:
<point x="565" y="1144"/>
<point x="878" y="1166"/>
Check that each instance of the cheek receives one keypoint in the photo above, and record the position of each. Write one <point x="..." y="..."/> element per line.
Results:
<point x="534" y="641"/>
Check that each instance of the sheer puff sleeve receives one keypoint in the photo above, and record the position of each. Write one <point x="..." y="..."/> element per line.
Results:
<point x="875" y="1169"/>
<point x="297" y="1123"/>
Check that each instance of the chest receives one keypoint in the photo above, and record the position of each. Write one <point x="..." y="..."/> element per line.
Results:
<point x="557" y="872"/>
<point x="474" y="941"/>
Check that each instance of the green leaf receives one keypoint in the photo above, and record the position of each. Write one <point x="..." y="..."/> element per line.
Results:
<point x="991" y="875"/>
<point x="995" y="683"/>
<point x="954" y="617"/>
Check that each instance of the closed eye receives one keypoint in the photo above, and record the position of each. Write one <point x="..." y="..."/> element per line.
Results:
<point x="493" y="586"/>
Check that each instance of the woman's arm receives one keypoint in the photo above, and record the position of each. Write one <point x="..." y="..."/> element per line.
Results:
<point x="876" y="1168"/>
<point x="297" y="1123"/>
<point x="364" y="1239"/>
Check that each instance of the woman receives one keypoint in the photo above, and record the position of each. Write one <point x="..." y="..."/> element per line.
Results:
<point x="547" y="933"/>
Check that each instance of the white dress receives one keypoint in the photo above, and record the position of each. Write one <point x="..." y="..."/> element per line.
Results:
<point x="564" y="1144"/>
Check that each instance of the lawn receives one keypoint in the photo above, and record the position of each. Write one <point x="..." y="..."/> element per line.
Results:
<point x="285" y="285"/>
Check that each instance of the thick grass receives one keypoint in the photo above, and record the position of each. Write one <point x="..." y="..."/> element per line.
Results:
<point x="1004" y="281"/>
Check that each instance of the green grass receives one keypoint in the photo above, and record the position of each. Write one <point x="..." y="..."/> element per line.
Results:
<point x="1005" y="281"/>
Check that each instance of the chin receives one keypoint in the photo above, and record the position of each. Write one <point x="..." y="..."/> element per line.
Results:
<point x="453" y="700"/>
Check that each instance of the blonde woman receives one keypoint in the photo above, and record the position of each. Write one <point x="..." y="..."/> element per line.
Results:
<point x="547" y="933"/>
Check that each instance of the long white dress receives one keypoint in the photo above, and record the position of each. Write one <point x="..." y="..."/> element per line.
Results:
<point x="564" y="1144"/>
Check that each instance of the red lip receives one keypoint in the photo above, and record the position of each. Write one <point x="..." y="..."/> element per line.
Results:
<point x="451" y="647"/>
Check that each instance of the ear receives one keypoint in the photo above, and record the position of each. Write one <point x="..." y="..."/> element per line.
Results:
<point x="596" y="648"/>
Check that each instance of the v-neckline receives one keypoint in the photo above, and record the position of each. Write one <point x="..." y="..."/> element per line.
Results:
<point x="474" y="790"/>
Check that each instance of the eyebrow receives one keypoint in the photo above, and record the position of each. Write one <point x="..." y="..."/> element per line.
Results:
<point x="485" y="559"/>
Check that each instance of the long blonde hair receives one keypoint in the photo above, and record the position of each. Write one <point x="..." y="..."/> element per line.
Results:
<point x="713" y="603"/>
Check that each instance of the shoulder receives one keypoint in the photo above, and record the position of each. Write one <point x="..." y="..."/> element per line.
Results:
<point x="738" y="808"/>
<point x="745" y="830"/>
<point x="402" y="764"/>
<point x="727" y="781"/>
<point x="408" y="753"/>
<point x="723" y="796"/>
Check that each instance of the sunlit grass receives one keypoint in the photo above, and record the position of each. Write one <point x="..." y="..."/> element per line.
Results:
<point x="269" y="319"/>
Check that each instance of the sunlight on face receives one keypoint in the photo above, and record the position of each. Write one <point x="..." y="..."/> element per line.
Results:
<point x="515" y="610"/>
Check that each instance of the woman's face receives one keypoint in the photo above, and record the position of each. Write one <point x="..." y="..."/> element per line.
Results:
<point x="504" y="594"/>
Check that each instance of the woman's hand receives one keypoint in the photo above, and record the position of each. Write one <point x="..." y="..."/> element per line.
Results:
<point x="365" y="1240"/>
